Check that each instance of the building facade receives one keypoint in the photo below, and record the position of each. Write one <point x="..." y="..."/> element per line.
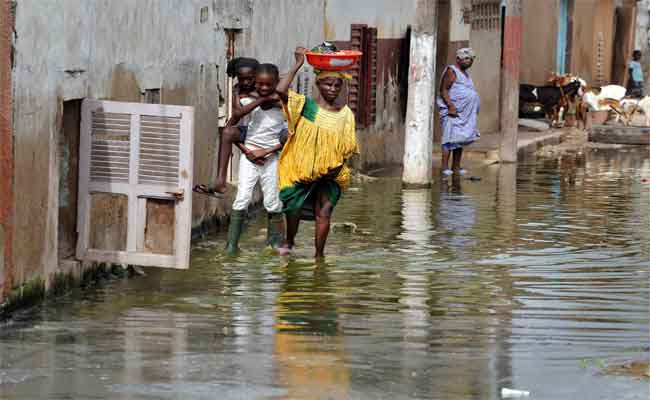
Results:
<point x="151" y="51"/>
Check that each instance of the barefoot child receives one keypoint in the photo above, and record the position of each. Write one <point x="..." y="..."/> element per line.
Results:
<point x="236" y="127"/>
<point x="265" y="124"/>
<point x="312" y="166"/>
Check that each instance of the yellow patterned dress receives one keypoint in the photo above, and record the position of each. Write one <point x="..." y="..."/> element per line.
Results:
<point x="319" y="143"/>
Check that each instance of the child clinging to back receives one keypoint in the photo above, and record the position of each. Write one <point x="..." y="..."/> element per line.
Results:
<point x="245" y="70"/>
<point x="262" y="143"/>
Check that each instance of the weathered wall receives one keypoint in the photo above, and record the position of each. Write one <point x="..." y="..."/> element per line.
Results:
<point x="593" y="29"/>
<point x="539" y="40"/>
<point x="107" y="50"/>
<point x="6" y="145"/>
<point x="642" y="34"/>
<point x="272" y="41"/>
<point x="624" y="40"/>
<point x="382" y="143"/>
<point x="72" y="49"/>
<point x="486" y="74"/>
<point x="390" y="17"/>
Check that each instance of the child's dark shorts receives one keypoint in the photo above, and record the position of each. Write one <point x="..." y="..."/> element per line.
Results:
<point x="243" y="131"/>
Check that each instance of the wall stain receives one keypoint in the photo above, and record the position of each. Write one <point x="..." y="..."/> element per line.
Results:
<point x="124" y="85"/>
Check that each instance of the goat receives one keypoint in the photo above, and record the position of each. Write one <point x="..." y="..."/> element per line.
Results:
<point x="606" y="98"/>
<point x="644" y="106"/>
<point x="631" y="106"/>
<point x="625" y="110"/>
<point x="552" y="98"/>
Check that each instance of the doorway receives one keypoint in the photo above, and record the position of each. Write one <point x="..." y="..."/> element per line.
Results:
<point x="68" y="160"/>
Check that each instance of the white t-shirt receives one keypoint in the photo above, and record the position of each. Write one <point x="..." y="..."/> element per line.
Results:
<point x="264" y="127"/>
<point x="244" y="101"/>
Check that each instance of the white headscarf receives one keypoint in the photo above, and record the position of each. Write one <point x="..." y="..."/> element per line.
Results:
<point x="465" y="52"/>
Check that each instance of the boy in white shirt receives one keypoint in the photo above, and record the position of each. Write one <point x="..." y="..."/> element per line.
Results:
<point x="266" y="123"/>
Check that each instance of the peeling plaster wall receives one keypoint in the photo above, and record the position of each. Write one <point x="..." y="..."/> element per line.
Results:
<point x="390" y="17"/>
<point x="382" y="143"/>
<point x="114" y="50"/>
<point x="277" y="27"/>
<point x="540" y="20"/>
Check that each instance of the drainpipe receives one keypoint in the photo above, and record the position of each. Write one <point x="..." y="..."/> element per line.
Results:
<point x="230" y="54"/>
<point x="510" y="66"/>
<point x="6" y="145"/>
<point x="418" y="135"/>
<point x="230" y="82"/>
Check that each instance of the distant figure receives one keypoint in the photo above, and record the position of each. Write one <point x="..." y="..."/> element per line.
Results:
<point x="636" y="81"/>
<point x="459" y="104"/>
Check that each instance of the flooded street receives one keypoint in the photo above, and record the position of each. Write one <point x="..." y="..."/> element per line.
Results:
<point x="536" y="278"/>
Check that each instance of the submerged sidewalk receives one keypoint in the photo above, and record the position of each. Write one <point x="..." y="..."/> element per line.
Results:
<point x="528" y="141"/>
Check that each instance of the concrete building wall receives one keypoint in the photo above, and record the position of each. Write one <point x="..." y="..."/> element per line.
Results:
<point x="73" y="49"/>
<point x="458" y="30"/>
<point x="382" y="142"/>
<point x="539" y="40"/>
<point x="593" y="40"/>
<point x="485" y="39"/>
<point x="390" y="17"/>
<point x="625" y="18"/>
<point x="486" y="74"/>
<point x="6" y="145"/>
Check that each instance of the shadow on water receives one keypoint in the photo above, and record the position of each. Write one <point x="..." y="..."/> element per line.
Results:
<point x="535" y="278"/>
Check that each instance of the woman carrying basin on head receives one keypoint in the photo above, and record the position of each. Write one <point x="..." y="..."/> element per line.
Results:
<point x="312" y="169"/>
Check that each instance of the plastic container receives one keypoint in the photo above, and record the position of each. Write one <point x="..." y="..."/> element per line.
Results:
<point x="340" y="61"/>
<point x="512" y="393"/>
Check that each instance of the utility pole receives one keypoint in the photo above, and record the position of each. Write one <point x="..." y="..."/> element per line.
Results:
<point x="510" y="67"/>
<point x="6" y="144"/>
<point x="418" y="141"/>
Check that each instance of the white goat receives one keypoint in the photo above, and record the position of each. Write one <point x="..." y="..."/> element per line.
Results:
<point x="644" y="106"/>
<point x="609" y="92"/>
<point x="628" y="107"/>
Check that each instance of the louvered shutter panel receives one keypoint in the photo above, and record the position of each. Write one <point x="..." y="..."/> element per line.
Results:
<point x="355" y="87"/>
<point x="362" y="92"/>
<point x="135" y="180"/>
<point x="370" y="76"/>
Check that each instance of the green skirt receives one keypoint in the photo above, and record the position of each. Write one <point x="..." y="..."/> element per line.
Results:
<point x="299" y="198"/>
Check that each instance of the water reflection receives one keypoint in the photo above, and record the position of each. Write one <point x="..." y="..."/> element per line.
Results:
<point x="309" y="347"/>
<point x="455" y="218"/>
<point x="447" y="293"/>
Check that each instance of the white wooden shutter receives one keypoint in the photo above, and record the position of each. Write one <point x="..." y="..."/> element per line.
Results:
<point x="135" y="184"/>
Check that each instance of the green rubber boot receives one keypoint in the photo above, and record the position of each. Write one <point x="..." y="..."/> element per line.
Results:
<point x="275" y="230"/>
<point x="234" y="230"/>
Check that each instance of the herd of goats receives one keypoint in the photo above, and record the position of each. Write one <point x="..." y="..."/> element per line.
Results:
<point x="567" y="92"/>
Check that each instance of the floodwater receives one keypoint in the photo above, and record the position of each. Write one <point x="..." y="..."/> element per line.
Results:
<point x="535" y="278"/>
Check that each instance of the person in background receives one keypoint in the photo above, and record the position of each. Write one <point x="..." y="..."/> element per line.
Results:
<point x="636" y="81"/>
<point x="459" y="105"/>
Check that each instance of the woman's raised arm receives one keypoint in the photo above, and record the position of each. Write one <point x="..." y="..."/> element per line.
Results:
<point x="283" y="86"/>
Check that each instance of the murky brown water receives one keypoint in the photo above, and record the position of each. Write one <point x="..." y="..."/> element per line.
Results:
<point x="535" y="279"/>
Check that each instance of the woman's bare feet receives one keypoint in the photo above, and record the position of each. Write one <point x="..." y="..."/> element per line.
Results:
<point x="284" y="250"/>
